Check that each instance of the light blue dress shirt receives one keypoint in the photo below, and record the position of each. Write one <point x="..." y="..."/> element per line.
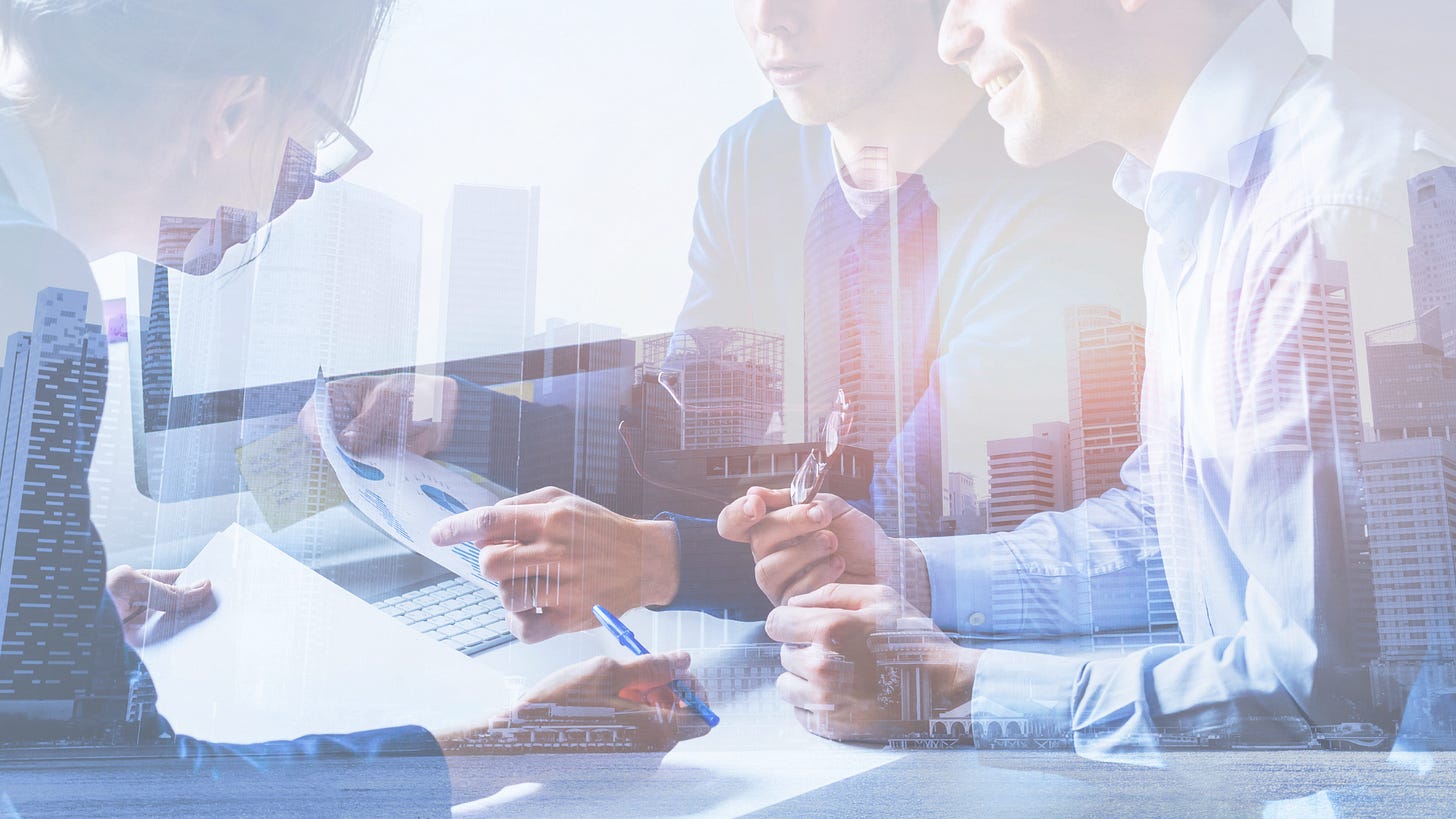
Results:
<point x="1278" y="225"/>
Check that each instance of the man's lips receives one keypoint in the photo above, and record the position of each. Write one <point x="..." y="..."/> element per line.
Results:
<point x="788" y="74"/>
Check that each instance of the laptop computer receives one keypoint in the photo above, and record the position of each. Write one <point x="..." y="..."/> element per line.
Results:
<point x="553" y="423"/>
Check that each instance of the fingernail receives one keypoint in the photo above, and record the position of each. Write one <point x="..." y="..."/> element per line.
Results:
<point x="826" y="543"/>
<point x="816" y="514"/>
<point x="200" y="585"/>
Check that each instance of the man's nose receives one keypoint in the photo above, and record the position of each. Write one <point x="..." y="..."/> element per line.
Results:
<point x="960" y="32"/>
<point x="777" y="18"/>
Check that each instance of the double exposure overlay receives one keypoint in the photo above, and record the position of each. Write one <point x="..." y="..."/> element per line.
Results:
<point x="822" y="407"/>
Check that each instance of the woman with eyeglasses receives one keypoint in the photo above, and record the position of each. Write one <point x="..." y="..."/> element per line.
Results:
<point x="113" y="115"/>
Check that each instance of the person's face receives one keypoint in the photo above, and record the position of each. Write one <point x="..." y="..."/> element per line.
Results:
<point x="1044" y="64"/>
<point x="827" y="59"/>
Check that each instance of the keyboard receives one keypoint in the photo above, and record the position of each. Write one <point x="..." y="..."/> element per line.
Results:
<point x="456" y="612"/>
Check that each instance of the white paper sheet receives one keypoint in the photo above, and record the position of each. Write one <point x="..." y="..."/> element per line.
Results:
<point x="405" y="494"/>
<point x="287" y="653"/>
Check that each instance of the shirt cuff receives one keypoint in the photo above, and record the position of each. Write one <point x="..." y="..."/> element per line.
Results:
<point x="1024" y="693"/>
<point x="715" y="576"/>
<point x="961" y="572"/>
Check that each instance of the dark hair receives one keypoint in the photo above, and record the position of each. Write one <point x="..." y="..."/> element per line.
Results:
<point x="79" y="53"/>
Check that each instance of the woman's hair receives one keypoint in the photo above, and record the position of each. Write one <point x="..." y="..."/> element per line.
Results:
<point x="128" y="54"/>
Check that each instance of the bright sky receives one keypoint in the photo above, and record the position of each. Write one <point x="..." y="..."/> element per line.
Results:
<point x="610" y="108"/>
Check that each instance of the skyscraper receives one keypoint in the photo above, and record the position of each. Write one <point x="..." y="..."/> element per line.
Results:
<point x="871" y="328"/>
<point x="489" y="286"/>
<point x="51" y="568"/>
<point x="730" y="382"/>
<point x="1409" y="480"/>
<point x="1029" y="475"/>
<point x="964" y="504"/>
<point x="1410" y="496"/>
<point x="1105" y="362"/>
<point x="1316" y="366"/>
<point x="1433" y="253"/>
<point x="589" y="463"/>
<point x="338" y="287"/>
<point x="1412" y="382"/>
<point x="1106" y="357"/>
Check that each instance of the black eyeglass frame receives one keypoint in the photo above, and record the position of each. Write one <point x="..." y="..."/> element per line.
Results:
<point x="361" y="149"/>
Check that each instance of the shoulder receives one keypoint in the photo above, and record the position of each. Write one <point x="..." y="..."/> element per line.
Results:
<point x="767" y="141"/>
<point x="1342" y="149"/>
<point x="1060" y="225"/>
<point x="34" y="257"/>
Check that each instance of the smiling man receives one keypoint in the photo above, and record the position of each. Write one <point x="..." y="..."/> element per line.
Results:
<point x="1274" y="187"/>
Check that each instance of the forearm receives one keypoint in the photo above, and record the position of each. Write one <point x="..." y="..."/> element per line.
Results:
<point x="1159" y="697"/>
<point x="661" y="562"/>
<point x="715" y="575"/>
<point x="1039" y="580"/>
<point x="373" y="772"/>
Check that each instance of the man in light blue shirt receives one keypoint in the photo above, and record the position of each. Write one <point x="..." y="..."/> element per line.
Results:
<point x="1274" y="186"/>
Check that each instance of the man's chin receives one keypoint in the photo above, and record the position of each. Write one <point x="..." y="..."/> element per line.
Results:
<point x="1033" y="149"/>
<point x="803" y="110"/>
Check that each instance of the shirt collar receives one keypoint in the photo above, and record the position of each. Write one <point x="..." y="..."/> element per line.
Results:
<point x="1230" y="103"/>
<point x="23" y="167"/>
<point x="942" y="175"/>
<point x="863" y="201"/>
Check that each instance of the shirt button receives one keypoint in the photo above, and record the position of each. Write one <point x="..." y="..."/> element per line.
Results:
<point x="976" y="619"/>
<point x="1185" y="251"/>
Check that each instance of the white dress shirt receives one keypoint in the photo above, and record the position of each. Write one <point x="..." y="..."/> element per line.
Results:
<point x="1278" y="227"/>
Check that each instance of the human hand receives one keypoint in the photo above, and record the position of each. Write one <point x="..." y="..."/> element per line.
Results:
<point x="841" y="671"/>
<point x="556" y="555"/>
<point x="636" y="693"/>
<point x="373" y="412"/>
<point x="799" y="548"/>
<point x="136" y="592"/>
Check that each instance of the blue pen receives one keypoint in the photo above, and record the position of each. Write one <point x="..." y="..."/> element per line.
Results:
<point x="625" y="636"/>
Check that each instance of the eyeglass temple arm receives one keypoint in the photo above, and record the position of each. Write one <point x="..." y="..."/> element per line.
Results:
<point x="637" y="468"/>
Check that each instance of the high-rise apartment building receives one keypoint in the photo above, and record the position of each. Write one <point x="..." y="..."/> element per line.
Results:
<point x="1106" y="357"/>
<point x="1410" y="497"/>
<point x="1409" y="480"/>
<point x="51" y="568"/>
<point x="1029" y="475"/>
<point x="1412" y="382"/>
<point x="489" y="288"/>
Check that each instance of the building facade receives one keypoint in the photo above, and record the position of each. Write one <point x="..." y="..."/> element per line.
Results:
<point x="1029" y="475"/>
<point x="1106" y="357"/>
<point x="488" y="294"/>
<point x="53" y="386"/>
